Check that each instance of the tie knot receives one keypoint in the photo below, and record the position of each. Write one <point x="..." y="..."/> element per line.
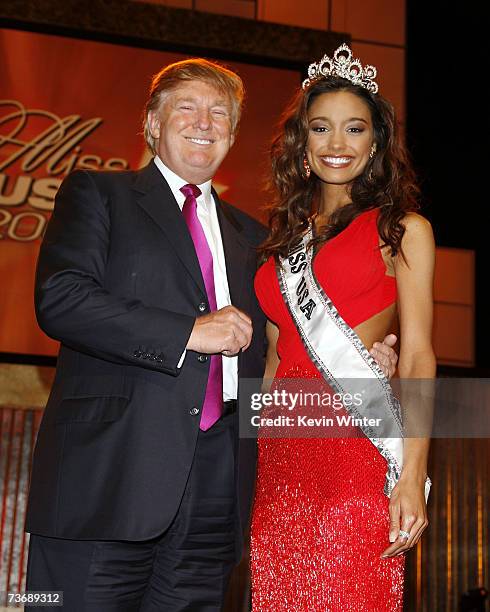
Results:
<point x="191" y="190"/>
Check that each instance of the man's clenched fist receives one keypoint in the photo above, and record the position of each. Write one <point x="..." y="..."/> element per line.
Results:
<point x="226" y="331"/>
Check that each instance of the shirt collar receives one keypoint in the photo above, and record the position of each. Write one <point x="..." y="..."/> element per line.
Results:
<point x="175" y="182"/>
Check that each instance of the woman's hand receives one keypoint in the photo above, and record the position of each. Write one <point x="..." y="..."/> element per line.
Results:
<point x="385" y="356"/>
<point x="408" y="512"/>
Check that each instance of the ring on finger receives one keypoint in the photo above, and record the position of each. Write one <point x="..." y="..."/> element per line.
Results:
<point x="403" y="534"/>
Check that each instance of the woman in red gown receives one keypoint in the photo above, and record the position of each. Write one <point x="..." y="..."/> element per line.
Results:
<point x="324" y="536"/>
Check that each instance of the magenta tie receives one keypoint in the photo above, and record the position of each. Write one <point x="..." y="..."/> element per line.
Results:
<point x="213" y="400"/>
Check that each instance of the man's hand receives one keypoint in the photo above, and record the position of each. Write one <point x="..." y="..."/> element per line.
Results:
<point x="385" y="356"/>
<point x="226" y="331"/>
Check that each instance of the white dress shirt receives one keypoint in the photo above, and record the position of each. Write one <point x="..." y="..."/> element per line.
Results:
<point x="206" y="213"/>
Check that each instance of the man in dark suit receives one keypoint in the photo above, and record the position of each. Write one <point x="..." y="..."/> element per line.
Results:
<point x="133" y="500"/>
<point x="146" y="278"/>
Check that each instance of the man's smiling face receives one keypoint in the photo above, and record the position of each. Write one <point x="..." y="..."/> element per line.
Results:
<point x="193" y="130"/>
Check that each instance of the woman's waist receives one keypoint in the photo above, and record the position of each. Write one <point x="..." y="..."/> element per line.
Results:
<point x="298" y="366"/>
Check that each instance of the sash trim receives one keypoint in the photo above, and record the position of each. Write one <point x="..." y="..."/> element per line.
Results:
<point x="315" y="315"/>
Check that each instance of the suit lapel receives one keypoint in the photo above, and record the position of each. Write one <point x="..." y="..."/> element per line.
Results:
<point x="156" y="198"/>
<point x="237" y="253"/>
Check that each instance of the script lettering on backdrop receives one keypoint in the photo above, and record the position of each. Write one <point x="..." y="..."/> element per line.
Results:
<point x="37" y="150"/>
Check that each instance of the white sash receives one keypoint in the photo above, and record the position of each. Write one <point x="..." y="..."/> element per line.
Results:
<point x="341" y="357"/>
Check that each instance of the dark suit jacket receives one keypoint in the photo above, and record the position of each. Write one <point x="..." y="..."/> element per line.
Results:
<point x="119" y="284"/>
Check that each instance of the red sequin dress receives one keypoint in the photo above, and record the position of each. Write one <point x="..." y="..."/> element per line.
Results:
<point x="320" y="520"/>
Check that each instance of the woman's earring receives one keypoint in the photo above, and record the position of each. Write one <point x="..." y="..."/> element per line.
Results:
<point x="371" y="155"/>
<point x="307" y="169"/>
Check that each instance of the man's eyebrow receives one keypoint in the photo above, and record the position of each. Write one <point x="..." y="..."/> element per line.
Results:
<point x="193" y="99"/>
<point x="184" y="99"/>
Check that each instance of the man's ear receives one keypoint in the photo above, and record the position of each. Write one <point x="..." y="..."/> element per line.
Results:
<point x="154" y="124"/>
<point x="232" y="139"/>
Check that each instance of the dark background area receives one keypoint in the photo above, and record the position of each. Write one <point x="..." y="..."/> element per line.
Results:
<point x="447" y="133"/>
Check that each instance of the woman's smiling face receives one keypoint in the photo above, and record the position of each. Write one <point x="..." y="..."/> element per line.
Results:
<point x="340" y="137"/>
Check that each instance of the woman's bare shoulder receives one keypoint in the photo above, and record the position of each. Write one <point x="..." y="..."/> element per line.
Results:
<point x="416" y="223"/>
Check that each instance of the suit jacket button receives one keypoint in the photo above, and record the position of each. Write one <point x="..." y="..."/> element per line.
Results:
<point x="202" y="307"/>
<point x="202" y="358"/>
<point x="194" y="411"/>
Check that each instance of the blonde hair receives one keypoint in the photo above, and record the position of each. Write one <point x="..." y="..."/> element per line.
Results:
<point x="197" y="69"/>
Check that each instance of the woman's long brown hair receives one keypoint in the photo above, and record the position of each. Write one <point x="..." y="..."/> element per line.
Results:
<point x="387" y="182"/>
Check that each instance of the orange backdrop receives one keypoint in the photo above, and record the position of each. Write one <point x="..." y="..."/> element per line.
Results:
<point x="67" y="103"/>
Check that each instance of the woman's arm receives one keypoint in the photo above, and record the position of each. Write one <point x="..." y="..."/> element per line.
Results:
<point x="272" y="358"/>
<point x="414" y="278"/>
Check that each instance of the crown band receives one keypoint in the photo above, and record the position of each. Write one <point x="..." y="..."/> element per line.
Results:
<point x="343" y="65"/>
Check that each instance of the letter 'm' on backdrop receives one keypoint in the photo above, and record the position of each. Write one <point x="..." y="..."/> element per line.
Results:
<point x="67" y="103"/>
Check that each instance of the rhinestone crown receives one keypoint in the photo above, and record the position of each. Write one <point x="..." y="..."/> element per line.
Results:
<point x="343" y="65"/>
